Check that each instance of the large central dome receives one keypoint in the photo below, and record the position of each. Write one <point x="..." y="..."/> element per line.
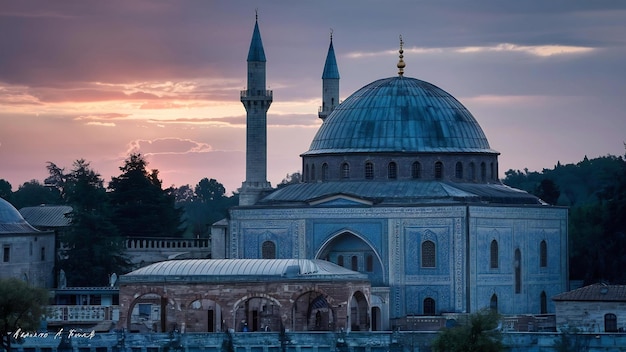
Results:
<point x="400" y="114"/>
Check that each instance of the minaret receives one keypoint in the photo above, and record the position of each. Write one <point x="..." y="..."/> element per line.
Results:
<point x="256" y="99"/>
<point x="330" y="83"/>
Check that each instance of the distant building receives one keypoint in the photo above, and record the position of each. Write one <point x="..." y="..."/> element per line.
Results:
<point x="593" y="308"/>
<point x="27" y="253"/>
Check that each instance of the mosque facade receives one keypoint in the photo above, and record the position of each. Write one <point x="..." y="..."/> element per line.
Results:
<point x="400" y="184"/>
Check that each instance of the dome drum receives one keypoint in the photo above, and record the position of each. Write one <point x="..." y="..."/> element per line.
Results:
<point x="453" y="167"/>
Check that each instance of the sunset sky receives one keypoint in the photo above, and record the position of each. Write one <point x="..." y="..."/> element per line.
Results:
<point x="97" y="80"/>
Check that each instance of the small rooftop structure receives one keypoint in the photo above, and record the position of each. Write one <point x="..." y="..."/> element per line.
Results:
<point x="47" y="216"/>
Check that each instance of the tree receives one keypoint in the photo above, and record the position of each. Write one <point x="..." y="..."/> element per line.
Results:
<point x="207" y="206"/>
<point x="548" y="191"/>
<point x="207" y="190"/>
<point x="141" y="207"/>
<point x="34" y="193"/>
<point x="290" y="179"/>
<point x="478" y="334"/>
<point x="92" y="249"/>
<point x="21" y="309"/>
<point x="5" y="190"/>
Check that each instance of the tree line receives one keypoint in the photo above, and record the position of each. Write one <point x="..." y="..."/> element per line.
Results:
<point x="595" y="192"/>
<point x="133" y="204"/>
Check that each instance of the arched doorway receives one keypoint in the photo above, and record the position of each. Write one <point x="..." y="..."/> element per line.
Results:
<point x="359" y="309"/>
<point x="257" y="314"/>
<point x="149" y="313"/>
<point x="204" y="315"/>
<point x="313" y="312"/>
<point x="355" y="253"/>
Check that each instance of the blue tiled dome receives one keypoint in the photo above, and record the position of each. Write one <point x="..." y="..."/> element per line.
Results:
<point x="11" y="221"/>
<point x="400" y="114"/>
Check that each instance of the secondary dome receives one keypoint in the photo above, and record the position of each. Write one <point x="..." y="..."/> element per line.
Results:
<point x="400" y="114"/>
<point x="11" y="221"/>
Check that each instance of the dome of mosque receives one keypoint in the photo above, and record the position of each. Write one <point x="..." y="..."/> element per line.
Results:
<point x="400" y="114"/>
<point x="11" y="221"/>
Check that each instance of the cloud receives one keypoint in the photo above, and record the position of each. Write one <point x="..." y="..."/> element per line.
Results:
<point x="103" y="124"/>
<point x="167" y="146"/>
<point x="102" y="116"/>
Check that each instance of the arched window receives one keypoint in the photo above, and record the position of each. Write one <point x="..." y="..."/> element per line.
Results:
<point x="483" y="172"/>
<point x="307" y="175"/>
<point x="518" y="271"/>
<point x="392" y="171"/>
<point x="429" y="306"/>
<point x="610" y="322"/>
<point x="313" y="172"/>
<point x="345" y="170"/>
<point x="340" y="260"/>
<point x="493" y="302"/>
<point x="492" y="174"/>
<point x="416" y="170"/>
<point x="543" y="254"/>
<point x="459" y="170"/>
<point x="544" y="302"/>
<point x="429" y="259"/>
<point x="324" y="172"/>
<point x="369" y="170"/>
<point x="493" y="250"/>
<point x="369" y="263"/>
<point x="472" y="171"/>
<point x="268" y="250"/>
<point x="354" y="263"/>
<point x="439" y="170"/>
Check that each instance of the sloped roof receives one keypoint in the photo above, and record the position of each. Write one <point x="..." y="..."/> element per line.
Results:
<point x="47" y="215"/>
<point x="596" y="292"/>
<point x="241" y="270"/>
<point x="401" y="192"/>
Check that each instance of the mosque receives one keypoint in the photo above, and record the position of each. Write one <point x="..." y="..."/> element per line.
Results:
<point x="399" y="187"/>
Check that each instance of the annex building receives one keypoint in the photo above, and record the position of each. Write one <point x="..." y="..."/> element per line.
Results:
<point x="399" y="186"/>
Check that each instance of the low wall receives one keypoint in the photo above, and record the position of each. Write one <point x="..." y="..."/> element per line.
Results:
<point x="293" y="342"/>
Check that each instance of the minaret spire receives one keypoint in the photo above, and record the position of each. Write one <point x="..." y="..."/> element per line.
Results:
<point x="330" y="82"/>
<point x="257" y="100"/>
<point x="401" y="65"/>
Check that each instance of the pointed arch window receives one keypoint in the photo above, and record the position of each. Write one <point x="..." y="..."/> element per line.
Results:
<point x="610" y="322"/>
<point x="369" y="170"/>
<point x="345" y="170"/>
<point x="354" y="263"/>
<point x="438" y="170"/>
<point x="459" y="170"/>
<point x="268" y="250"/>
<point x="340" y="260"/>
<point x="493" y="303"/>
<point x="429" y="306"/>
<point x="312" y="172"/>
<point x="392" y="171"/>
<point x="518" y="271"/>
<point x="543" y="254"/>
<point x="429" y="259"/>
<point x="416" y="170"/>
<point x="544" y="302"/>
<point x="493" y="257"/>
<point x="324" y="172"/>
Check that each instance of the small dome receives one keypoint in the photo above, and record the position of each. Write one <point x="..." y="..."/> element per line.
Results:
<point x="11" y="221"/>
<point x="400" y="114"/>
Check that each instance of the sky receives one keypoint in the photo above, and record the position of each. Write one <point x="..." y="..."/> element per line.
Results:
<point x="98" y="80"/>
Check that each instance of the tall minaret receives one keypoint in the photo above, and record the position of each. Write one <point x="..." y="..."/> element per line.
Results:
<point x="330" y="83"/>
<point x="256" y="99"/>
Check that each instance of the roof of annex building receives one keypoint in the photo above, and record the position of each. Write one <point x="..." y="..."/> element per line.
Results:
<point x="47" y="215"/>
<point x="400" y="115"/>
<point x="409" y="192"/>
<point x="596" y="293"/>
<point x="240" y="270"/>
<point x="11" y="221"/>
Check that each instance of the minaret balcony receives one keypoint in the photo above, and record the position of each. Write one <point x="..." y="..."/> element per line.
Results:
<point x="256" y="94"/>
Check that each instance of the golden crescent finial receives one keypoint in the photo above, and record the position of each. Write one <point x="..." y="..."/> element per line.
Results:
<point x="401" y="65"/>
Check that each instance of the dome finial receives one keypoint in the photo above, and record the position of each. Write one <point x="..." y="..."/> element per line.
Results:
<point x="331" y="34"/>
<point x="256" y="14"/>
<point x="401" y="64"/>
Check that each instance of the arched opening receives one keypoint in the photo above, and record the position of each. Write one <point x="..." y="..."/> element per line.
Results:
<point x="610" y="322"/>
<point x="429" y="254"/>
<point x="149" y="313"/>
<point x="429" y="306"/>
<point x="313" y="312"/>
<point x="472" y="171"/>
<point x="459" y="170"/>
<point x="392" y="171"/>
<point x="312" y="172"/>
<point x="349" y="247"/>
<point x="345" y="170"/>
<point x="544" y="302"/>
<point x="416" y="170"/>
<point x="359" y="319"/>
<point x="517" y="264"/>
<point x="493" y="303"/>
<point x="257" y="314"/>
<point x="494" y="260"/>
<point x="324" y="172"/>
<point x="543" y="254"/>
<point x="268" y="250"/>
<point x="376" y="319"/>
<point x="438" y="170"/>
<point x="483" y="172"/>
